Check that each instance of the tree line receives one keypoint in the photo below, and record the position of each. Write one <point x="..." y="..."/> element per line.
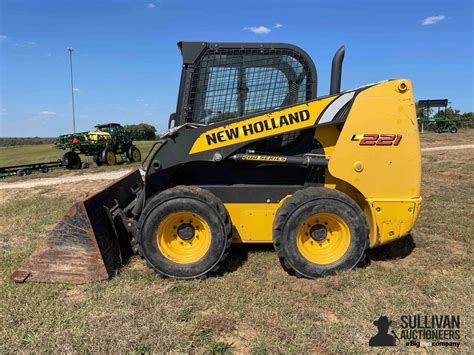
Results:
<point x="141" y="131"/>
<point x="465" y="119"/>
<point x="9" y="141"/>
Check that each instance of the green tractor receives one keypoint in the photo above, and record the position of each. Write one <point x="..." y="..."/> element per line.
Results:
<point x="103" y="144"/>
<point x="445" y="125"/>
<point x="440" y="119"/>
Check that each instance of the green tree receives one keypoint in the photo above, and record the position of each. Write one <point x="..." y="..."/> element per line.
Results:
<point x="451" y="113"/>
<point x="461" y="119"/>
<point x="420" y="111"/>
<point x="141" y="131"/>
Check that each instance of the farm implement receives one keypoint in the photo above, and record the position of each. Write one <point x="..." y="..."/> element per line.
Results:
<point x="440" y="120"/>
<point x="445" y="125"/>
<point x="103" y="144"/>
<point x="253" y="155"/>
<point x="27" y="169"/>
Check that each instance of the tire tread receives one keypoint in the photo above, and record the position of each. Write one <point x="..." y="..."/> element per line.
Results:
<point x="299" y="198"/>
<point x="198" y="193"/>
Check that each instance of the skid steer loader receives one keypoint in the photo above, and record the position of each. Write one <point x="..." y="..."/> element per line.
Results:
<point x="252" y="155"/>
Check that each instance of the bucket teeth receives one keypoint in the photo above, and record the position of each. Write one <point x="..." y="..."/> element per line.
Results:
<point x="89" y="243"/>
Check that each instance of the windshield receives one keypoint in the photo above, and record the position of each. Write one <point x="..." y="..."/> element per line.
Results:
<point x="236" y="83"/>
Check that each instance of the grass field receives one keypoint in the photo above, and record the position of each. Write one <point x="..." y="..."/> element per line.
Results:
<point x="252" y="306"/>
<point x="431" y="139"/>
<point x="39" y="153"/>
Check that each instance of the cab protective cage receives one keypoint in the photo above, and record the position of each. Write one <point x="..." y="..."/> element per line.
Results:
<point x="199" y="57"/>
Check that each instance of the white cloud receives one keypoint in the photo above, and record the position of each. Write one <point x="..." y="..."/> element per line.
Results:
<point x="3" y="37"/>
<point x="25" y="44"/>
<point x="278" y="25"/>
<point x="47" y="113"/>
<point x="77" y="89"/>
<point x="433" y="19"/>
<point x="151" y="5"/>
<point x="260" y="30"/>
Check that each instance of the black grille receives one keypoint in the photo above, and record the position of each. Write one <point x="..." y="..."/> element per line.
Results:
<point x="342" y="114"/>
<point x="229" y="83"/>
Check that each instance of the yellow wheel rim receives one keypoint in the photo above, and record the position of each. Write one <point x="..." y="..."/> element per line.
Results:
<point x="185" y="249"/>
<point x="323" y="238"/>
<point x="110" y="157"/>
<point x="136" y="156"/>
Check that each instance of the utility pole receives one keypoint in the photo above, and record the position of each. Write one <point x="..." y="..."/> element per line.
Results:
<point x="72" y="90"/>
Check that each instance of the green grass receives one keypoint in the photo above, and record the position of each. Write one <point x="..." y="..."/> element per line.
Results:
<point x="253" y="306"/>
<point x="38" y="153"/>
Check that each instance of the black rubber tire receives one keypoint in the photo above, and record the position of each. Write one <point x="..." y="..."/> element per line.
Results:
<point x="44" y="169"/>
<point x="106" y="152"/>
<point x="453" y="130"/>
<point x="196" y="200"/>
<point x="71" y="160"/>
<point x="132" y="150"/>
<point x="300" y="206"/>
<point x="97" y="160"/>
<point x="22" y="172"/>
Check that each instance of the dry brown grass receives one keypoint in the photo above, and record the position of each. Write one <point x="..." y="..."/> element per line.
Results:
<point x="432" y="139"/>
<point x="252" y="306"/>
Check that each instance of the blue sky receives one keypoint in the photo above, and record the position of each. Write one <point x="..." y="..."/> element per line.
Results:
<point x="127" y="66"/>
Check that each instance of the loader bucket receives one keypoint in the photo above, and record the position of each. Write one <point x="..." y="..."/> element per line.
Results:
<point x="90" y="243"/>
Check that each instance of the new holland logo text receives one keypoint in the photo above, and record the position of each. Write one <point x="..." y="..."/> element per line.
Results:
<point x="377" y="139"/>
<point x="265" y="125"/>
<point x="228" y="134"/>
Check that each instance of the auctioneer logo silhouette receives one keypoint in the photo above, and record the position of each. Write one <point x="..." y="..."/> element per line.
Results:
<point x="382" y="338"/>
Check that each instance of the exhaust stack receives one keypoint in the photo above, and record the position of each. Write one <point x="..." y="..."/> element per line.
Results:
<point x="336" y="71"/>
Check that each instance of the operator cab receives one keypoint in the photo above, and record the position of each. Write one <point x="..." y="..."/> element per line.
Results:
<point x="221" y="81"/>
<point x="109" y="127"/>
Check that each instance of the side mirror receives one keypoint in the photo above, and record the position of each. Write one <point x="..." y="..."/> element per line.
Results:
<point x="172" y="121"/>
